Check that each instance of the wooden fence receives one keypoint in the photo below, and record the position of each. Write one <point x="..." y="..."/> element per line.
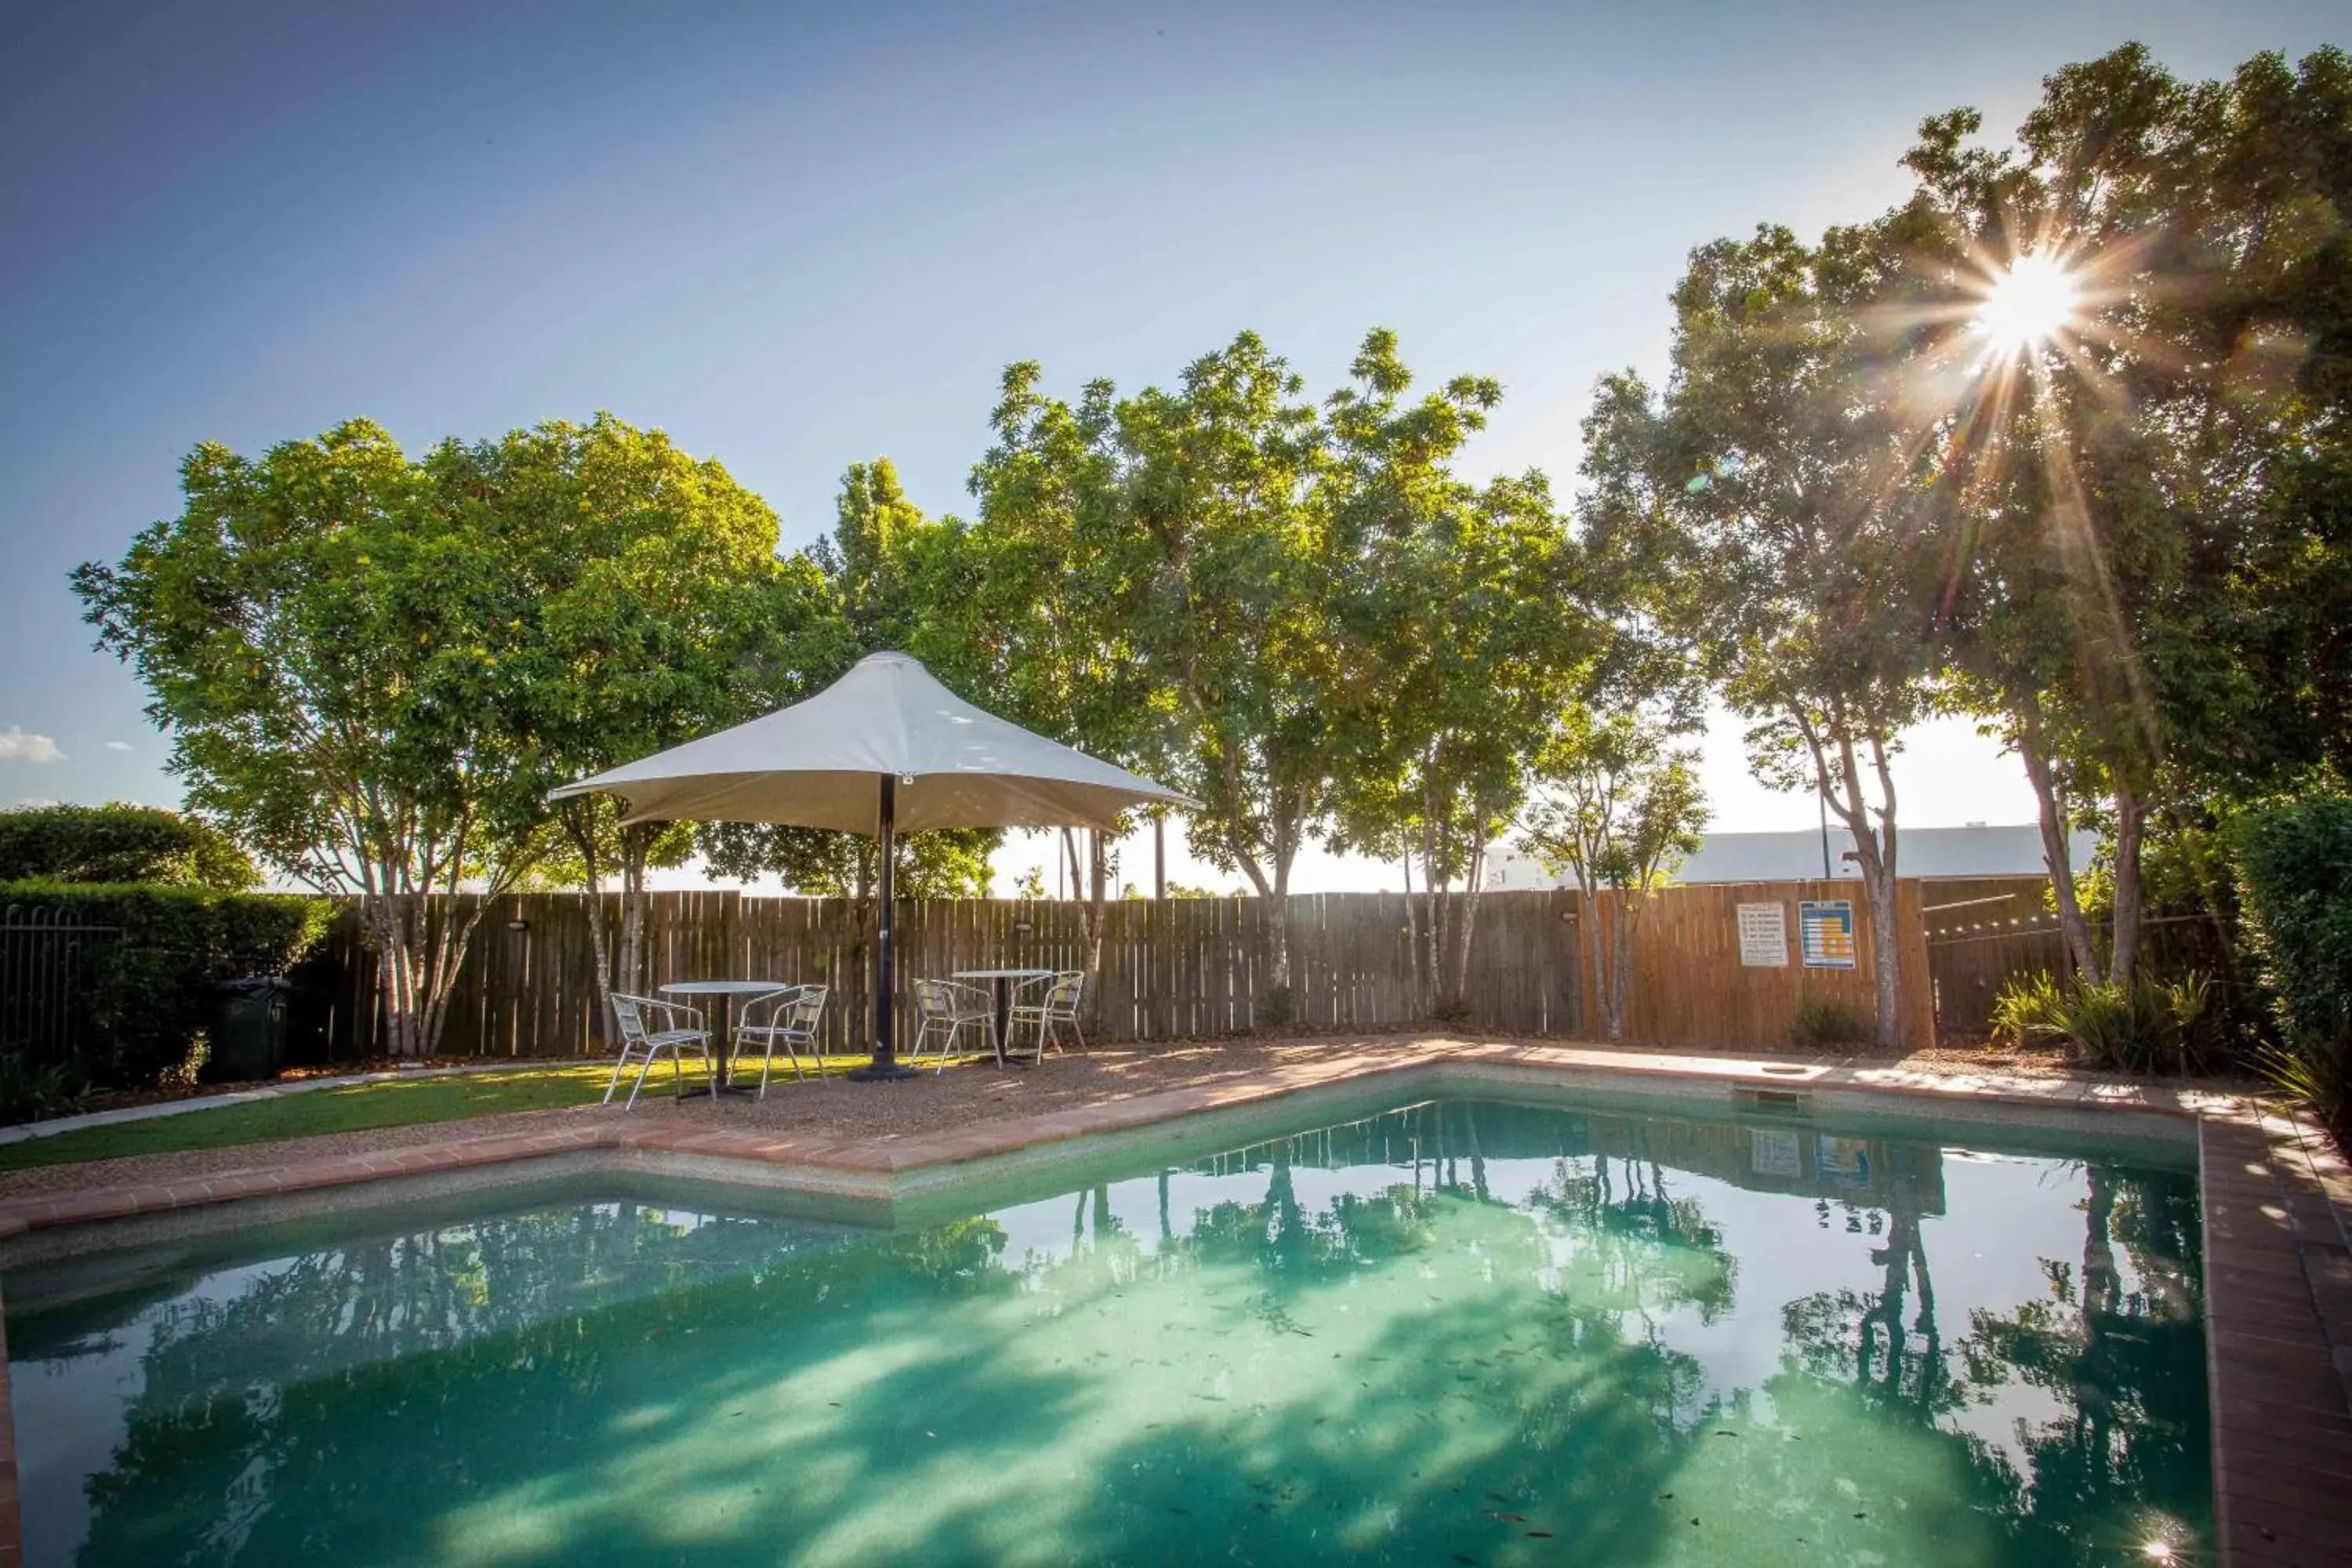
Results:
<point x="1982" y="931"/>
<point x="1183" y="968"/>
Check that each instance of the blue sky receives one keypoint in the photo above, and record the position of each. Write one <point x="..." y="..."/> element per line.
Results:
<point x="795" y="237"/>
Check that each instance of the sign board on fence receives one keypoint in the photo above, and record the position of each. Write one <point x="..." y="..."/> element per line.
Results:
<point x="1825" y="929"/>
<point x="1764" y="936"/>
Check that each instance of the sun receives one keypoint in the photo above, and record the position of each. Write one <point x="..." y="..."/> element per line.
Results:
<point x="2028" y="304"/>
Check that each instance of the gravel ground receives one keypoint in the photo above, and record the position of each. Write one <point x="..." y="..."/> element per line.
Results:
<point x="960" y="1097"/>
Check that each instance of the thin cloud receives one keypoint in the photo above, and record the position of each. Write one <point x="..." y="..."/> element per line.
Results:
<point x="118" y="745"/>
<point x="23" y="746"/>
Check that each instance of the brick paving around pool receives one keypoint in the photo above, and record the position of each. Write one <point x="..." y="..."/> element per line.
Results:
<point x="2276" y="1198"/>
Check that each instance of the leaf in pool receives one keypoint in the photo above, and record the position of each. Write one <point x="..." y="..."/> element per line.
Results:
<point x="1724" y="1432"/>
<point x="1539" y="1535"/>
<point x="1694" y="1518"/>
<point x="1459" y="1557"/>
<point x="1501" y="1497"/>
<point x="1666" y="1497"/>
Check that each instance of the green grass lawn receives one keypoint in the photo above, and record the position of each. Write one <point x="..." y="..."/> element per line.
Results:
<point x="396" y="1103"/>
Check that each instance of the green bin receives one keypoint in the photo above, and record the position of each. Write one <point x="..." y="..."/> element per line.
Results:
<point x="248" y="1029"/>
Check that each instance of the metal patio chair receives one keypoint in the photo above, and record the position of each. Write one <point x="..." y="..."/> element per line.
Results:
<point x="792" y="1015"/>
<point x="1055" y="1007"/>
<point x="646" y="1043"/>
<point x="943" y="1009"/>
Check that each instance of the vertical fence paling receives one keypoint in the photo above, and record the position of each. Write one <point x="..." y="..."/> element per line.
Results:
<point x="1187" y="967"/>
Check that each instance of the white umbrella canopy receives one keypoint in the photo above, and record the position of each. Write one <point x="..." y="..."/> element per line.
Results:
<point x="885" y="749"/>
<point x="815" y="764"/>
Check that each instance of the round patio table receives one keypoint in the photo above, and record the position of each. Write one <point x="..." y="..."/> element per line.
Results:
<point x="726" y="990"/>
<point x="1004" y="979"/>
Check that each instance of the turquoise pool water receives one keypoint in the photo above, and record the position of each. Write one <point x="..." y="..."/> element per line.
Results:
<point x="1455" y="1333"/>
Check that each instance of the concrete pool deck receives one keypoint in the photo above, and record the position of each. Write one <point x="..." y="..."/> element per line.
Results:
<point x="2278" y="1247"/>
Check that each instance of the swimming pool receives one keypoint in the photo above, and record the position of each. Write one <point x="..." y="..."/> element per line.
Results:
<point x="1462" y="1331"/>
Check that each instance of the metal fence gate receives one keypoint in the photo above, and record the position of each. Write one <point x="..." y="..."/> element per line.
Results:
<point x="50" y="962"/>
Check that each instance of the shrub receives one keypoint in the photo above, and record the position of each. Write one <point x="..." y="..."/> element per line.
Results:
<point x="2029" y="1007"/>
<point x="150" y="996"/>
<point x="1823" y="1021"/>
<point x="29" y="1091"/>
<point x="1453" y="1012"/>
<point x="2151" y="1025"/>
<point x="118" y="844"/>
<point x="2295" y="865"/>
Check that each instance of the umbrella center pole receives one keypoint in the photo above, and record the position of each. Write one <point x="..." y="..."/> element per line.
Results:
<point x="884" y="1065"/>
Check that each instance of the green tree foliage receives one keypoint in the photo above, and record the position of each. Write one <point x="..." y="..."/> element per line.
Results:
<point x="315" y="630"/>
<point x="1183" y="529"/>
<point x="120" y="843"/>
<point x="2152" y="566"/>
<point x="1459" y="630"/>
<point x="1772" y="507"/>
<point x="639" y="604"/>
<point x="1294" y="612"/>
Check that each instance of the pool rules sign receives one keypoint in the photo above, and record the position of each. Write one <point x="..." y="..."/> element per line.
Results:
<point x="1825" y="926"/>
<point x="1764" y="936"/>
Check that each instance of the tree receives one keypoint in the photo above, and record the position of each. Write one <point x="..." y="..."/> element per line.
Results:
<point x="2152" y="605"/>
<point x="1192" y="621"/>
<point x="641" y="604"/>
<point x="313" y="630"/>
<point x="1619" y="806"/>
<point x="1781" y="489"/>
<point x="120" y="843"/>
<point x="1458" y="629"/>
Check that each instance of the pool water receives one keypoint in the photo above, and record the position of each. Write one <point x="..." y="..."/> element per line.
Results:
<point x="1459" y="1331"/>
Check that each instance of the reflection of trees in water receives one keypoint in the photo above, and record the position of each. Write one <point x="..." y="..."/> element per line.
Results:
<point x="1887" y="1345"/>
<point x="1550" y="1375"/>
<point x="2126" y="1367"/>
<point x="426" y="1358"/>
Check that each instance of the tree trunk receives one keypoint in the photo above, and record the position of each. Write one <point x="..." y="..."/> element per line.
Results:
<point x="1596" y="947"/>
<point x="1277" y="941"/>
<point x="2131" y="821"/>
<point x="1621" y="975"/>
<point x="1875" y="847"/>
<point x="578" y="817"/>
<point x="632" y="974"/>
<point x="396" y="977"/>
<point x="416" y="967"/>
<point x="1415" y="996"/>
<point x="1888" y="957"/>
<point x="1097" y="893"/>
<point x="1467" y="923"/>
<point x="2073" y="931"/>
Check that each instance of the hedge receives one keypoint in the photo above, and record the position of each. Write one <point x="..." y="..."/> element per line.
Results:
<point x="2295" y="864"/>
<point x="151" y="996"/>
<point x="119" y="844"/>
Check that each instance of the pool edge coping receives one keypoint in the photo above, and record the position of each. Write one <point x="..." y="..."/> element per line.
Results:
<point x="2280" y="1219"/>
